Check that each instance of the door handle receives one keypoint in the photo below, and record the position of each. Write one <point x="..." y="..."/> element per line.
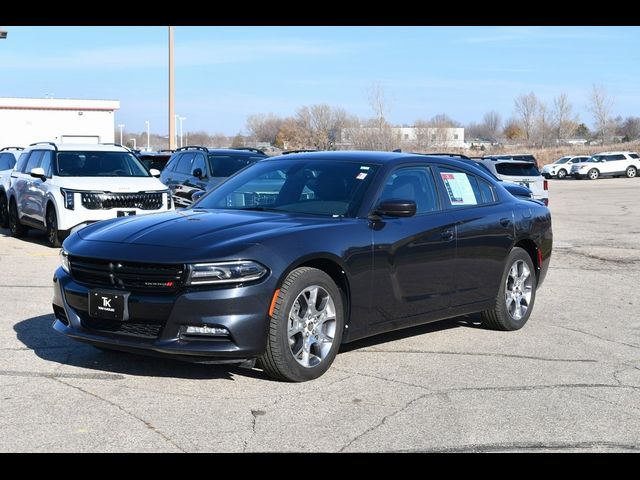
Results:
<point x="447" y="234"/>
<point x="505" y="222"/>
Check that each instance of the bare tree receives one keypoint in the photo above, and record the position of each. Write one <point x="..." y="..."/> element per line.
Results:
<point x="601" y="107"/>
<point x="264" y="127"/>
<point x="526" y="107"/>
<point x="544" y="125"/>
<point x="491" y="123"/>
<point x="565" y="122"/>
<point x="630" y="128"/>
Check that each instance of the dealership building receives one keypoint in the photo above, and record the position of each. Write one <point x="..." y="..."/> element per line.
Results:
<point x="27" y="120"/>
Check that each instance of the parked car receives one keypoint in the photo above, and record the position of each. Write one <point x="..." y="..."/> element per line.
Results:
<point x="154" y="160"/>
<point x="383" y="241"/>
<point x="521" y="173"/>
<point x="608" y="164"/>
<point x="523" y="157"/>
<point x="562" y="167"/>
<point x="193" y="169"/>
<point x="8" y="158"/>
<point x="59" y="186"/>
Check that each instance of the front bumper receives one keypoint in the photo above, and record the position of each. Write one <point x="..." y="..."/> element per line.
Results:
<point x="157" y="322"/>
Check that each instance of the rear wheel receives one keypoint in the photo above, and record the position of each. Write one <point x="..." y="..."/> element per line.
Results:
<point x="17" y="229"/>
<point x="306" y="327"/>
<point x="516" y="295"/>
<point x="593" y="174"/>
<point x="53" y="236"/>
<point x="631" y="172"/>
<point x="562" y="173"/>
<point x="4" y="211"/>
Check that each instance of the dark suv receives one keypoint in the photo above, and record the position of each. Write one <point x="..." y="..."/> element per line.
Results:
<point x="195" y="169"/>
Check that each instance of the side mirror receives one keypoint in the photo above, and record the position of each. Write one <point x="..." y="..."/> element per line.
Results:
<point x="154" y="172"/>
<point x="197" y="173"/>
<point x="397" y="208"/>
<point x="197" y="195"/>
<point x="38" y="173"/>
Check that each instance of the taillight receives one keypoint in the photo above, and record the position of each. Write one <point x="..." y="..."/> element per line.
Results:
<point x="546" y="185"/>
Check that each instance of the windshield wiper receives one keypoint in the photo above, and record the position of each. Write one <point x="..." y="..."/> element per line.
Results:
<point x="259" y="209"/>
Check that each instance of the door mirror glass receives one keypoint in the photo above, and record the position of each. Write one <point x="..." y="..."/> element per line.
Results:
<point x="397" y="208"/>
<point x="197" y="173"/>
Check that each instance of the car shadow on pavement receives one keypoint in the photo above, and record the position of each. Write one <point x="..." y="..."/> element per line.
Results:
<point x="33" y="236"/>
<point x="469" y="321"/>
<point x="37" y="334"/>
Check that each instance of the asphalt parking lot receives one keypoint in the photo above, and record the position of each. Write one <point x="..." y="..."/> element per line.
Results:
<point x="568" y="381"/>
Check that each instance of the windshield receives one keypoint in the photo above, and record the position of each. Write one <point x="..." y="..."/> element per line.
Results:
<point x="99" y="164"/>
<point x="517" y="169"/>
<point x="227" y="165"/>
<point x="317" y="187"/>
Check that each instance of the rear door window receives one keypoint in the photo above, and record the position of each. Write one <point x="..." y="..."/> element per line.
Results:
<point x="463" y="189"/>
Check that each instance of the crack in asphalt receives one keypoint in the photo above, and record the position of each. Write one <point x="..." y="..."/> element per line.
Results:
<point x="55" y="374"/>
<point x="383" y="421"/>
<point x="501" y="447"/>
<point x="594" y="335"/>
<point x="146" y="423"/>
<point x="615" y="404"/>
<point x="360" y="374"/>
<point x="481" y="354"/>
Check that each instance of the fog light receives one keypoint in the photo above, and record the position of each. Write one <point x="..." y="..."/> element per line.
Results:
<point x="207" y="331"/>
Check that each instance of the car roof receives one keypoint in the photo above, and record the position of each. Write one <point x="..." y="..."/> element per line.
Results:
<point x="614" y="153"/>
<point x="374" y="157"/>
<point x="75" y="147"/>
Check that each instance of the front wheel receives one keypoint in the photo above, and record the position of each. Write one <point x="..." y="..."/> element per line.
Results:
<point x="305" y="329"/>
<point x="516" y="296"/>
<point x="593" y="174"/>
<point x="562" y="174"/>
<point x="631" y="172"/>
<point x="4" y="211"/>
<point x="53" y="236"/>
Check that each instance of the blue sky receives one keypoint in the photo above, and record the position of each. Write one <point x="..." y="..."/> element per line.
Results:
<point x="224" y="74"/>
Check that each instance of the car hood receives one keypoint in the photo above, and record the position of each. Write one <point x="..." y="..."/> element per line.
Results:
<point x="111" y="184"/>
<point x="197" y="229"/>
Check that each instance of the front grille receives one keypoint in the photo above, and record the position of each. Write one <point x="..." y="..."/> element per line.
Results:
<point x="106" y="201"/>
<point x="135" y="277"/>
<point x="131" y="327"/>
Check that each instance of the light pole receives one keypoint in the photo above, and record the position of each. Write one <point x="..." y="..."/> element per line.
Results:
<point x="172" y="131"/>
<point x="175" y="120"/>
<point x="134" y="142"/>
<point x="146" y="122"/>
<point x="121" y="126"/>
<point x="181" y="119"/>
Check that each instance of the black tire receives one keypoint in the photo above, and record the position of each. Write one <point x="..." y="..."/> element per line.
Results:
<point x="499" y="317"/>
<point x="593" y="174"/>
<point x="4" y="211"/>
<point x="562" y="174"/>
<point x="278" y="360"/>
<point x="17" y="229"/>
<point x="631" y="172"/>
<point x="53" y="235"/>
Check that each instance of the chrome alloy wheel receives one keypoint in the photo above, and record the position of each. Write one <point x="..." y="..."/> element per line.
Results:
<point x="311" y="326"/>
<point x="518" y="290"/>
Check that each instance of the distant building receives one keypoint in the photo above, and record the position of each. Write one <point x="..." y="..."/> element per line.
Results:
<point x="27" y="120"/>
<point x="440" y="137"/>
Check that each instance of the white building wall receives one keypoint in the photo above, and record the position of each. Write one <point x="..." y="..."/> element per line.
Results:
<point x="27" y="120"/>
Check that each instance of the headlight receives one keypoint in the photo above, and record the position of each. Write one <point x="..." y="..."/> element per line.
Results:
<point x="64" y="261"/>
<point x="225" y="272"/>
<point x="67" y="195"/>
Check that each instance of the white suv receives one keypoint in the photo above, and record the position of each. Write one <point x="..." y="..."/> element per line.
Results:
<point x="521" y="173"/>
<point x="57" y="187"/>
<point x="608" y="164"/>
<point x="562" y="167"/>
